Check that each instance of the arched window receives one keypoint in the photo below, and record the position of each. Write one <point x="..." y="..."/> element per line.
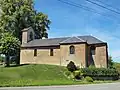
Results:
<point x="72" y="50"/>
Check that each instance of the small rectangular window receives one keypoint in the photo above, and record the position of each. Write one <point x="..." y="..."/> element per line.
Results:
<point x="35" y="52"/>
<point x="51" y="52"/>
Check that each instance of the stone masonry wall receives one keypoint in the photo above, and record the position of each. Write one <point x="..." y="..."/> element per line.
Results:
<point x="43" y="56"/>
<point x="79" y="58"/>
<point x="101" y="57"/>
<point x="62" y="56"/>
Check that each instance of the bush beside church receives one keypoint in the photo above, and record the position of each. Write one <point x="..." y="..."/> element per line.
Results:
<point x="94" y="73"/>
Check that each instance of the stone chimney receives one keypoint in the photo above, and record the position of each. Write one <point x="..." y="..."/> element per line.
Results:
<point x="27" y="35"/>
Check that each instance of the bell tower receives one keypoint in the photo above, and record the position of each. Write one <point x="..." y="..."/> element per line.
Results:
<point x="27" y="35"/>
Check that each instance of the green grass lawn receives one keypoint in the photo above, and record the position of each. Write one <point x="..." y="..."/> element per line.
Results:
<point x="31" y="75"/>
<point x="35" y="75"/>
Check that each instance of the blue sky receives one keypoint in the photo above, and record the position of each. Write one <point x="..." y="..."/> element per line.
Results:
<point x="71" y="21"/>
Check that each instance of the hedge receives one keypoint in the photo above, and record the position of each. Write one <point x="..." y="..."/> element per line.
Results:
<point x="100" y="73"/>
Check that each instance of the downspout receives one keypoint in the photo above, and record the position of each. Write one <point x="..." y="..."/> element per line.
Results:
<point x="106" y="56"/>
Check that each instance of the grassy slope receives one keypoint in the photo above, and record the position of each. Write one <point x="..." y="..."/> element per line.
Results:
<point x="32" y="75"/>
<point x="35" y="75"/>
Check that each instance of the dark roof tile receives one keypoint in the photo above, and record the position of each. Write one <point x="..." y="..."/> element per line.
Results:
<point x="72" y="40"/>
<point x="91" y="39"/>
<point x="58" y="41"/>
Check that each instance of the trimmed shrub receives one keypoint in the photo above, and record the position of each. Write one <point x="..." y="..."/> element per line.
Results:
<point x="71" y="66"/>
<point x="71" y="76"/>
<point x="67" y="73"/>
<point x="77" y="74"/>
<point x="88" y="79"/>
<point x="91" y="66"/>
<point x="100" y="72"/>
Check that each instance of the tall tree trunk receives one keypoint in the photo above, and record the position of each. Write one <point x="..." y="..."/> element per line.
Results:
<point x="18" y="53"/>
<point x="7" y="61"/>
<point x="18" y="58"/>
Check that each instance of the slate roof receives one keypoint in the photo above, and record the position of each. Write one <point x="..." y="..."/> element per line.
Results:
<point x="91" y="39"/>
<point x="72" y="40"/>
<point x="63" y="40"/>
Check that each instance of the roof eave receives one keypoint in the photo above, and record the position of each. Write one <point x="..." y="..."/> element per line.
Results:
<point x="102" y="43"/>
<point x="39" y="46"/>
<point x="73" y="43"/>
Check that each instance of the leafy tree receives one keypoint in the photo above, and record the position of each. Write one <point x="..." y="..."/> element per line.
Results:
<point x="9" y="46"/>
<point x="110" y="62"/>
<point x="117" y="67"/>
<point x="19" y="14"/>
<point x="1" y="58"/>
<point x="41" y="22"/>
<point x="16" y="15"/>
